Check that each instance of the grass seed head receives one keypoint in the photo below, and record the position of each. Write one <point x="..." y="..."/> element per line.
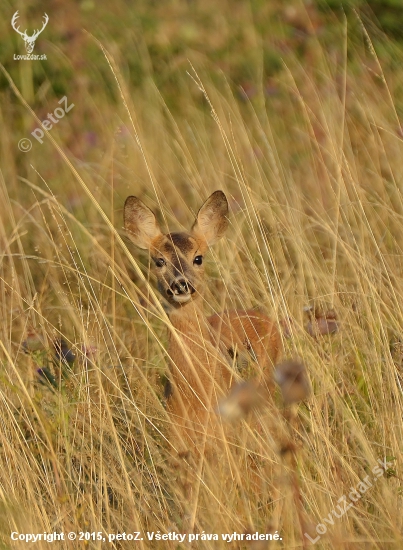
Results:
<point x="293" y="380"/>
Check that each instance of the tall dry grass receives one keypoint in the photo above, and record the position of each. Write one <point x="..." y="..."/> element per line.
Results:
<point x="314" y="177"/>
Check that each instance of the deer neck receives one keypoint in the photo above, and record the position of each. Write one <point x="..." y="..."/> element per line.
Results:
<point x="189" y="319"/>
<point x="194" y="356"/>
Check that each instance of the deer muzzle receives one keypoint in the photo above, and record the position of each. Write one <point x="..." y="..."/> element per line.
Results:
<point x="180" y="290"/>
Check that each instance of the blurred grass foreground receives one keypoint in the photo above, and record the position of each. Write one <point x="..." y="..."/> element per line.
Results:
<point x="294" y="111"/>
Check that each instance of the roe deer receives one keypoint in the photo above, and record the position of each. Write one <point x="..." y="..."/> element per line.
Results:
<point x="203" y="351"/>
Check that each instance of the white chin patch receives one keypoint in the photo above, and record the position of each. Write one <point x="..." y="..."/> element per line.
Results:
<point x="181" y="298"/>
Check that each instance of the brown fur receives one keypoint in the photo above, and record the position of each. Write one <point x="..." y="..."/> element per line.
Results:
<point x="252" y="331"/>
<point x="203" y="351"/>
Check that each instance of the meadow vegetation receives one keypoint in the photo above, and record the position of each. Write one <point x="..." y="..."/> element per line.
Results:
<point x="294" y="112"/>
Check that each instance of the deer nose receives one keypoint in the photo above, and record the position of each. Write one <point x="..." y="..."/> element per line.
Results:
<point x="180" y="286"/>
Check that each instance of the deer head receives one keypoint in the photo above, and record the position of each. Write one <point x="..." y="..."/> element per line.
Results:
<point x="178" y="257"/>
<point x="29" y="40"/>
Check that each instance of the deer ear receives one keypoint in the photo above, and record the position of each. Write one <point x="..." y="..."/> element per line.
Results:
<point x="211" y="221"/>
<point x="140" y="223"/>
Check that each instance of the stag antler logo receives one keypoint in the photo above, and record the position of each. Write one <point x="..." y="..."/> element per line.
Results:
<point x="29" y="40"/>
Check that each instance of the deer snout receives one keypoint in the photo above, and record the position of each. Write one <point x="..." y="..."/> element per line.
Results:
<point x="180" y="290"/>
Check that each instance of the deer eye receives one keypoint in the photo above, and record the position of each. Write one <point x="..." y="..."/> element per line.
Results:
<point x="198" y="260"/>
<point x="160" y="262"/>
